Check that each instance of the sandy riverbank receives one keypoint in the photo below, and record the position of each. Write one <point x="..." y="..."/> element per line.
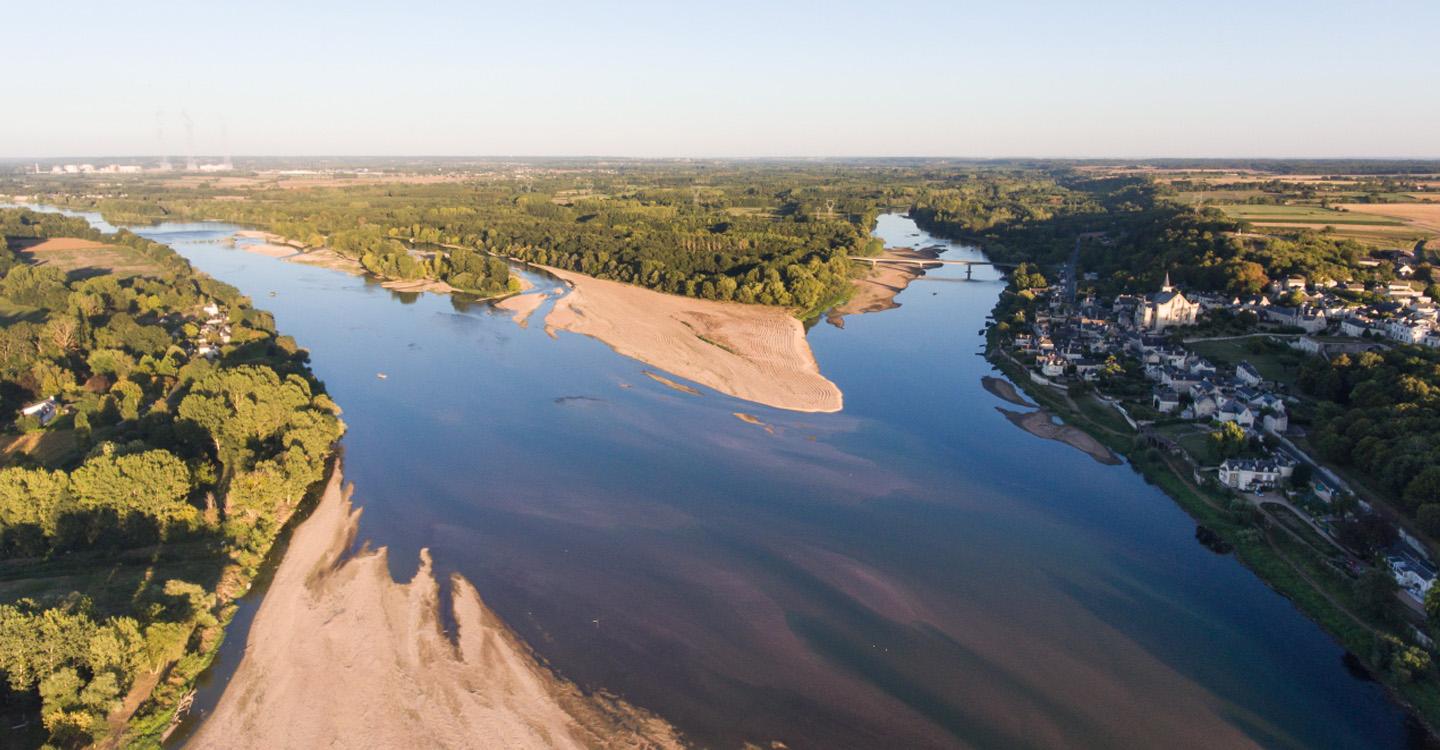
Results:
<point x="1041" y="424"/>
<point x="1005" y="390"/>
<point x="876" y="291"/>
<point x="752" y="352"/>
<point x="341" y="655"/>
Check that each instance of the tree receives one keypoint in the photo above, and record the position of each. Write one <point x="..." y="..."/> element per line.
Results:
<point x="1432" y="606"/>
<point x="153" y="483"/>
<point x="1424" y="489"/>
<point x="1228" y="440"/>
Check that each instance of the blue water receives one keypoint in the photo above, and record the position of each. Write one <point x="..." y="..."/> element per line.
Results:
<point x="914" y="571"/>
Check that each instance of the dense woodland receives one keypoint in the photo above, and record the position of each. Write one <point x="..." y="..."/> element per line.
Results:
<point x="1381" y="416"/>
<point x="775" y="239"/>
<point x="170" y="462"/>
<point x="1130" y="233"/>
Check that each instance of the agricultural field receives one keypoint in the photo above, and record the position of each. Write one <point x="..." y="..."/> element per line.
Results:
<point x="1423" y="216"/>
<point x="87" y="257"/>
<point x="1301" y="215"/>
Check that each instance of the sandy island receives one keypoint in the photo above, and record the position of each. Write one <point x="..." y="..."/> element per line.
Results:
<point x="751" y="352"/>
<point x="1041" y="424"/>
<point x="522" y="306"/>
<point x="1005" y="390"/>
<point x="341" y="655"/>
<point x="876" y="291"/>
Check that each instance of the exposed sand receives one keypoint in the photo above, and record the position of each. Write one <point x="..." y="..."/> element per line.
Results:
<point x="876" y="291"/>
<point x="267" y="249"/>
<point x="752" y="419"/>
<point x="522" y="306"/>
<point x="324" y="257"/>
<point x="750" y="352"/>
<point x="418" y="285"/>
<point x="668" y="383"/>
<point x="341" y="655"/>
<point x="1039" y="424"/>
<point x="1005" y="390"/>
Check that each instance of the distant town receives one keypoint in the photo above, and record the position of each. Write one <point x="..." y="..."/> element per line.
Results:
<point x="1207" y="403"/>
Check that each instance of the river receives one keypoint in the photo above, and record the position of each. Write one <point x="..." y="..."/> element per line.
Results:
<point x="913" y="571"/>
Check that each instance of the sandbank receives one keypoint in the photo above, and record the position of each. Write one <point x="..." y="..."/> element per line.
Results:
<point x="1005" y="390"/>
<point x="876" y="291"/>
<point x="751" y="352"/>
<point x="668" y="383"/>
<point x="1041" y="424"/>
<point x="418" y="285"/>
<point x="522" y="306"/>
<point x="341" y="655"/>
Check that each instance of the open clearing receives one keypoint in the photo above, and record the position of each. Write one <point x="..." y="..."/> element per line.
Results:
<point x="70" y="254"/>
<point x="48" y="447"/>
<point x="1267" y="214"/>
<point x="1424" y="216"/>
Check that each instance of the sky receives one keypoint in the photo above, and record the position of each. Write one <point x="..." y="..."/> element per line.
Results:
<point x="723" y="79"/>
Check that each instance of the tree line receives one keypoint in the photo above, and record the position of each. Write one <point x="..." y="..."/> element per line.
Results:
<point x="181" y="462"/>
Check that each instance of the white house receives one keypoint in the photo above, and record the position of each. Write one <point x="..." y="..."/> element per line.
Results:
<point x="1249" y="474"/>
<point x="1247" y="374"/>
<point x="1234" y="411"/>
<point x="45" y="411"/>
<point x="1166" y="400"/>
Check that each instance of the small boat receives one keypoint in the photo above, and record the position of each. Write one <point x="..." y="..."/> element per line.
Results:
<point x="381" y="375"/>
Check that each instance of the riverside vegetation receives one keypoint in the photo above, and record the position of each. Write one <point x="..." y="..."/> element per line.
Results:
<point x="132" y="519"/>
<point x="783" y="235"/>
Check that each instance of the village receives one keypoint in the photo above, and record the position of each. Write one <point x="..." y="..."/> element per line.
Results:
<point x="204" y="332"/>
<point x="1209" y="380"/>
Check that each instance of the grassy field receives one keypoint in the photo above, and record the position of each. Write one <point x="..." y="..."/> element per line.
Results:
<point x="1275" y="362"/>
<point x="1265" y="214"/>
<point x="76" y="256"/>
<point x="49" y="448"/>
<point x="110" y="580"/>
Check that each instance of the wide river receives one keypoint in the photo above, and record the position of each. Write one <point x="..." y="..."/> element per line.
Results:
<point x="914" y="571"/>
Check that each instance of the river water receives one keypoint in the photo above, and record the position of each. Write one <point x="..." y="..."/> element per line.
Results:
<point x="914" y="571"/>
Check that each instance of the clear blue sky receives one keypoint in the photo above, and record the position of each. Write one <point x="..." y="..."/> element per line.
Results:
<point x="1097" y="78"/>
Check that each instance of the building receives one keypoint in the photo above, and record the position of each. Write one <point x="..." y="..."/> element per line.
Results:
<point x="1165" y="308"/>
<point x="1247" y="374"/>
<point x="1249" y="474"/>
<point x="45" y="411"/>
<point x="1234" y="411"/>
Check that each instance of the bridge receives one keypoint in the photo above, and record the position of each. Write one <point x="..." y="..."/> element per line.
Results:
<point x="969" y="264"/>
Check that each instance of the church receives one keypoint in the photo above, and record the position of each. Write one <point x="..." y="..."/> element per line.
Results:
<point x="1167" y="307"/>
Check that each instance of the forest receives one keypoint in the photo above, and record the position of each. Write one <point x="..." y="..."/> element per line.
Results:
<point x="1131" y="233"/>
<point x="149" y="494"/>
<point x="1381" y="416"/>
<point x="779" y="237"/>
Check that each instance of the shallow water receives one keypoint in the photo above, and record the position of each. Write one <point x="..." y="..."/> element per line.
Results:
<point x="913" y="571"/>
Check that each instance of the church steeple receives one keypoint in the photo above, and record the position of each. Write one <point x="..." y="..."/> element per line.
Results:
<point x="1167" y="287"/>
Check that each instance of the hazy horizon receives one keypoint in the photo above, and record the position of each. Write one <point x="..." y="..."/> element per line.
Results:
<point x="1125" y="80"/>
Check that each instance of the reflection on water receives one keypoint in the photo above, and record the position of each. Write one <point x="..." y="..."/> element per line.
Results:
<point x="913" y="571"/>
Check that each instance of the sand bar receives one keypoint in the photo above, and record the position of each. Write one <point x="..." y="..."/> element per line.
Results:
<point x="341" y="655"/>
<point x="522" y="306"/>
<point x="752" y="352"/>
<point x="1004" y="389"/>
<point x="1041" y="424"/>
<point x="876" y="291"/>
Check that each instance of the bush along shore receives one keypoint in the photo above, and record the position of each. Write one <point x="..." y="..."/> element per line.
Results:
<point x="159" y="434"/>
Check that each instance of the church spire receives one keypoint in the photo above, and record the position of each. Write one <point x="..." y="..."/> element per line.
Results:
<point x="1167" y="286"/>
